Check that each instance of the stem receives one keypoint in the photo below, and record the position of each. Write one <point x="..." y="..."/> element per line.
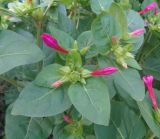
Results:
<point x="48" y="7"/>
<point x="39" y="31"/>
<point x="12" y="82"/>
<point x="75" y="10"/>
<point x="152" y="136"/>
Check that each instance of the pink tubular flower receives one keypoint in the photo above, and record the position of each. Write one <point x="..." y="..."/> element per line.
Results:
<point x="52" y="42"/>
<point x="148" y="8"/>
<point x="155" y="11"/>
<point x="104" y="71"/>
<point x="57" y="83"/>
<point x="148" y="82"/>
<point x="67" y="119"/>
<point x="137" y="32"/>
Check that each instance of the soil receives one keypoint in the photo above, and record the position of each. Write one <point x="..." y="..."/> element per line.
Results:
<point x="2" y="108"/>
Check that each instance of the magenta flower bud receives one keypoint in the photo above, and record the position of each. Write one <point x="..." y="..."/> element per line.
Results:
<point x="148" y="82"/>
<point x="104" y="71"/>
<point x="155" y="11"/>
<point x="137" y="32"/>
<point x="148" y="8"/>
<point x="67" y="119"/>
<point x="53" y="43"/>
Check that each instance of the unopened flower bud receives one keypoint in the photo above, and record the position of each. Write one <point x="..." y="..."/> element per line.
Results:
<point x="57" y="83"/>
<point x="137" y="32"/>
<point x="104" y="71"/>
<point x="67" y="119"/>
<point x="52" y="42"/>
<point x="148" y="8"/>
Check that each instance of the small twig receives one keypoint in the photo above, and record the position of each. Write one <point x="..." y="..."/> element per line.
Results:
<point x="11" y="81"/>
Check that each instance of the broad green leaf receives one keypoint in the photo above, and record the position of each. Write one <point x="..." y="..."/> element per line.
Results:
<point x="92" y="100"/>
<point x="20" y="127"/>
<point x="48" y="75"/>
<point x="125" y="124"/>
<point x="39" y="128"/>
<point x="16" y="126"/>
<point x="37" y="101"/>
<point x="135" y="21"/>
<point x="103" y="28"/>
<point x="120" y="16"/>
<point x="65" y="24"/>
<point x="133" y="63"/>
<point x="85" y="41"/>
<point x="16" y="50"/>
<point x="129" y="80"/>
<point x="99" y="6"/>
<point x="146" y="109"/>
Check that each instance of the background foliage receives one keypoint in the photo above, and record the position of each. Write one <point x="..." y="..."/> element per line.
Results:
<point x="106" y="107"/>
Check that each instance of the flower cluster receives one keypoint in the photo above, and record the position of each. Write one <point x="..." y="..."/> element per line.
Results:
<point x="50" y="41"/>
<point x="122" y="53"/>
<point x="153" y="19"/>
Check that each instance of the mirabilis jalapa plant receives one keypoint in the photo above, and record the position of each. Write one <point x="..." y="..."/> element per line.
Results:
<point x="90" y="64"/>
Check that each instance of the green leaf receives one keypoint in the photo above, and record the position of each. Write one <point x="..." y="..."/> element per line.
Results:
<point x="135" y="21"/>
<point x="16" y="126"/>
<point x="20" y="127"/>
<point x="16" y="50"/>
<point x="48" y="76"/>
<point x="99" y="6"/>
<point x="85" y="39"/>
<point x="129" y="80"/>
<point x="65" y="24"/>
<point x="103" y="28"/>
<point x="37" y="101"/>
<point x="119" y="14"/>
<point x="92" y="100"/>
<point x="39" y="128"/>
<point x="125" y="124"/>
<point x="146" y="109"/>
<point x="85" y="42"/>
<point x="133" y="63"/>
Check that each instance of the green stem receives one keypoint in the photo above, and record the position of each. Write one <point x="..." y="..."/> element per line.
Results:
<point x="39" y="29"/>
<point x="39" y="26"/>
<point x="75" y="10"/>
<point x="152" y="137"/>
<point x="48" y="7"/>
<point x="11" y="81"/>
